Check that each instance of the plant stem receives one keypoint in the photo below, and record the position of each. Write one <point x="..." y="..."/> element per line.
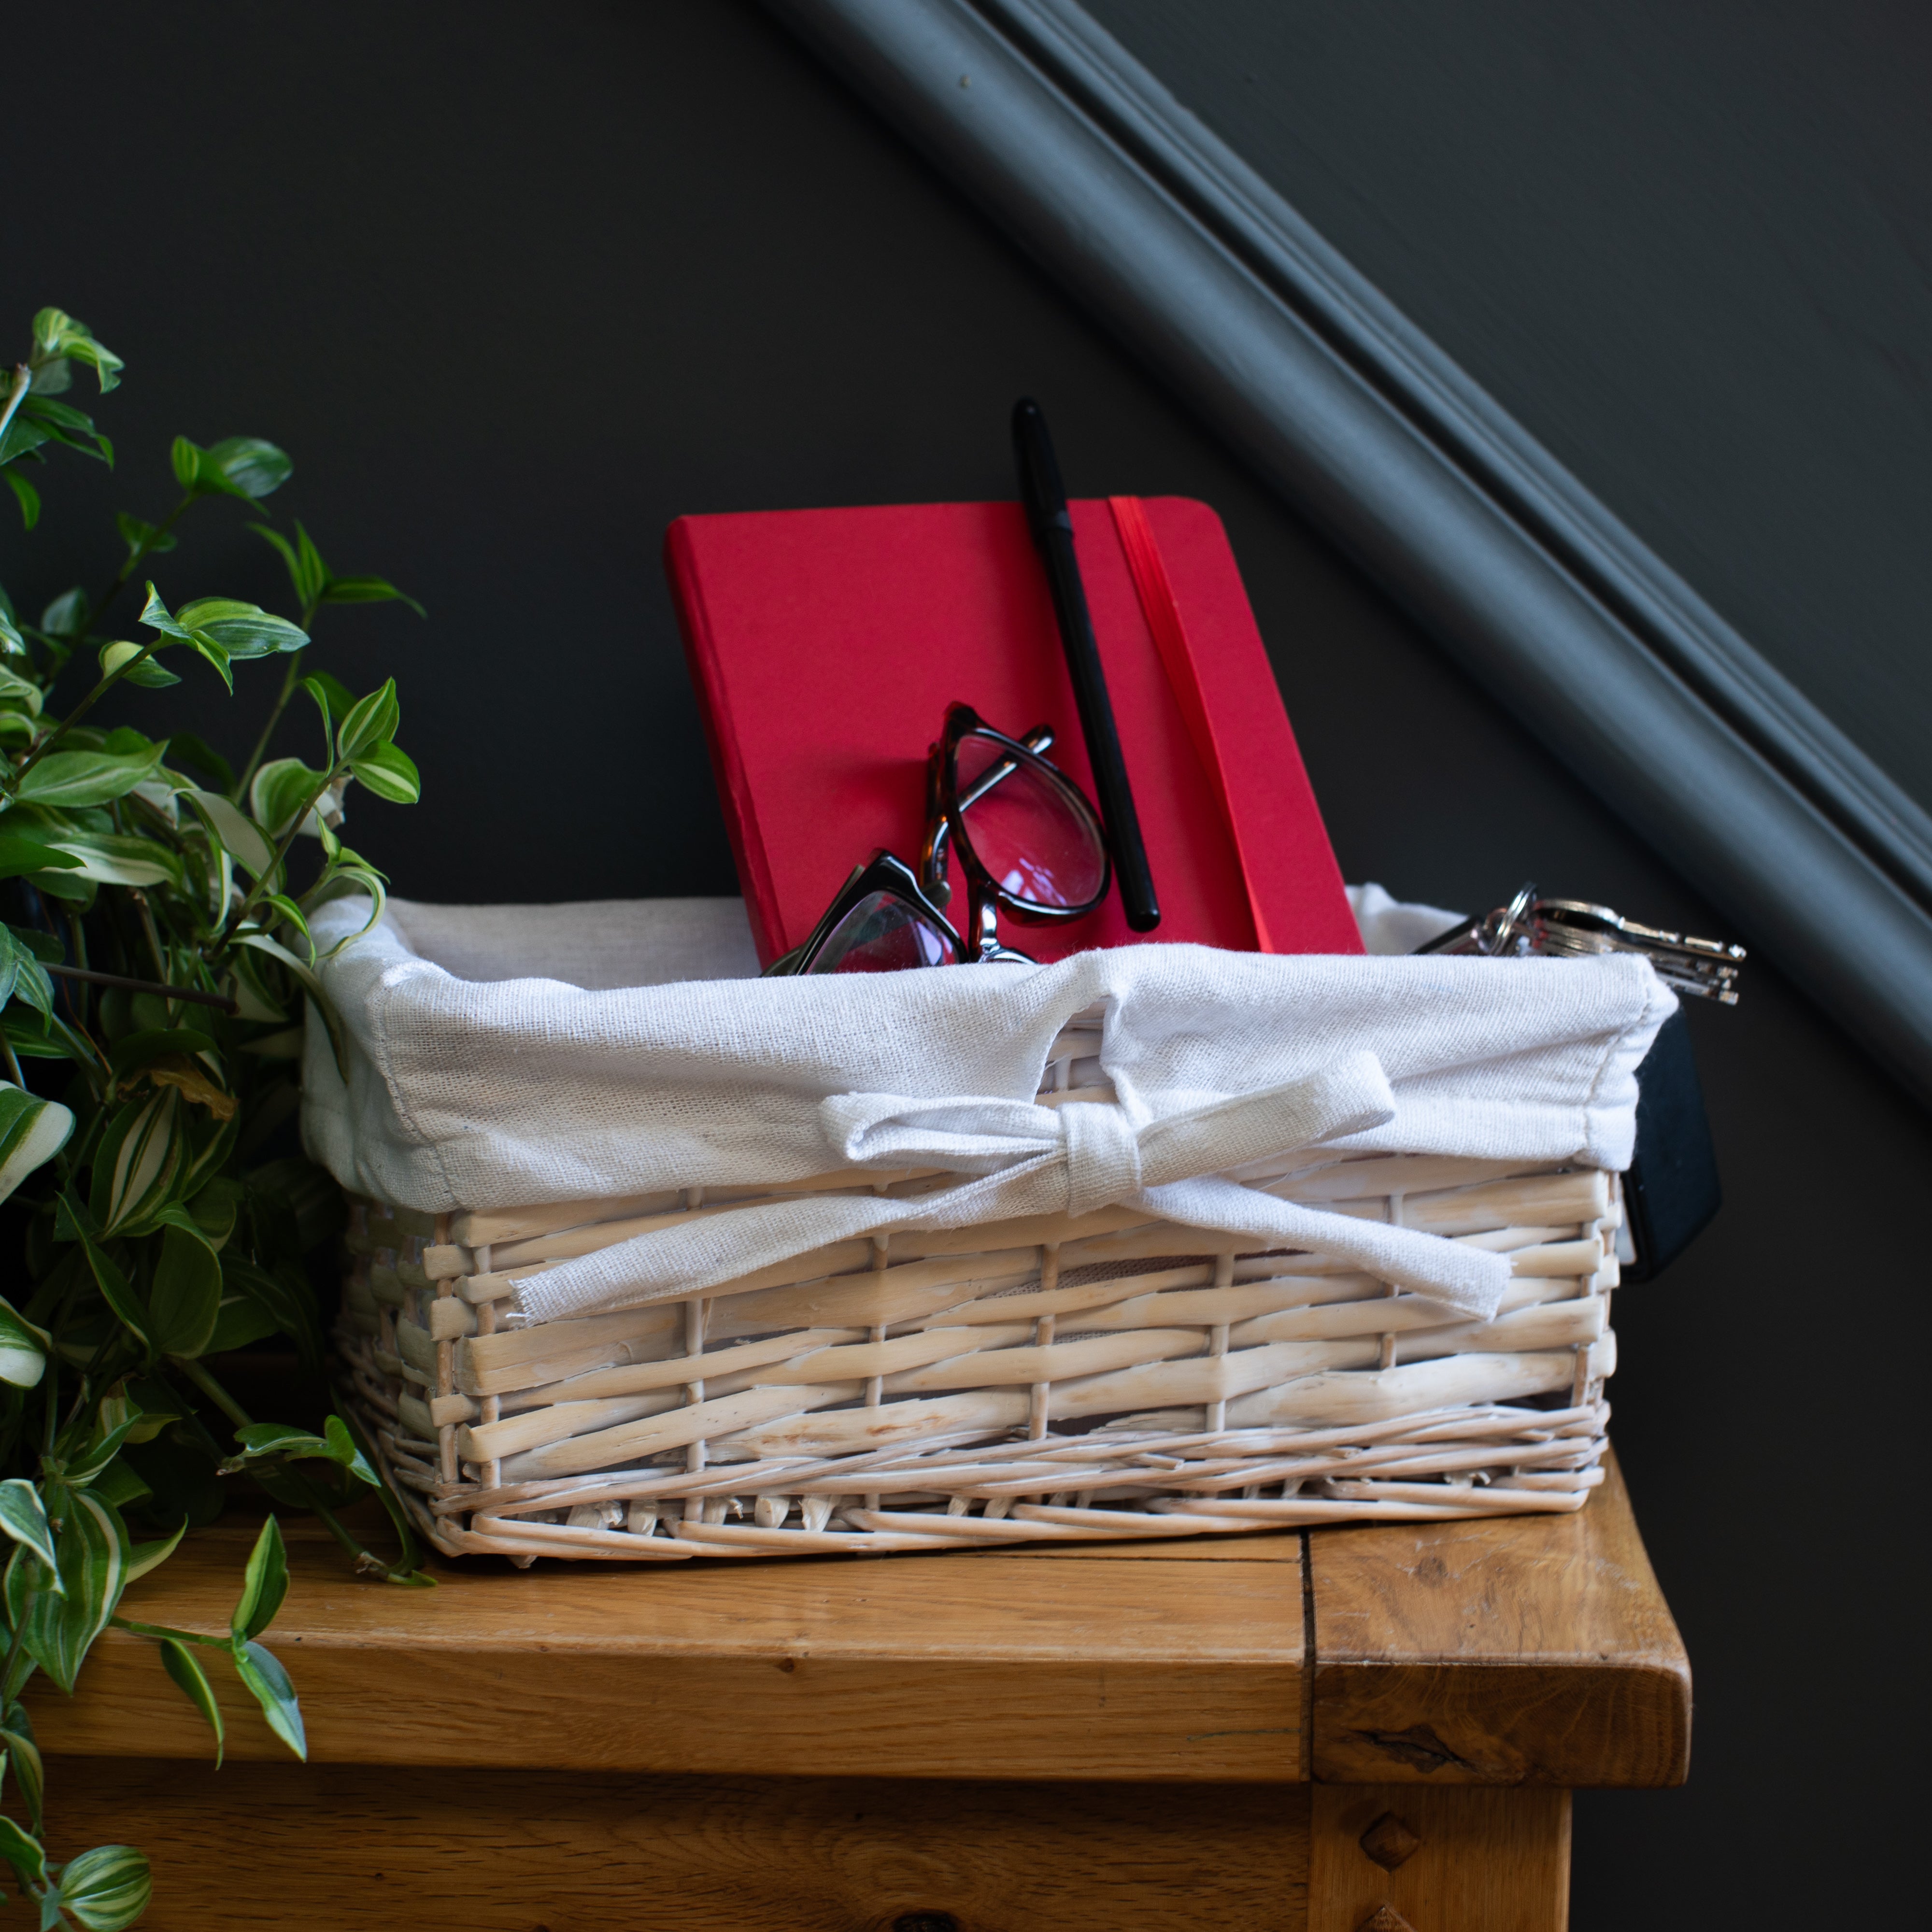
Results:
<point x="119" y="583"/>
<point x="80" y="1401"/>
<point x="155" y="947"/>
<point x="265" y="883"/>
<point x="249" y="770"/>
<point x="288" y="690"/>
<point x="311" y="1495"/>
<point x="23" y="381"/>
<point x="94" y="1046"/>
<point x="13" y="1657"/>
<point x="344" y="1537"/>
<point x="171" y="994"/>
<point x="19" y="1078"/>
<point x="77" y="993"/>
<point x="212" y="1389"/>
<point x="161" y="1631"/>
<point x="153" y="932"/>
<point x="106" y="684"/>
<point x="94" y="613"/>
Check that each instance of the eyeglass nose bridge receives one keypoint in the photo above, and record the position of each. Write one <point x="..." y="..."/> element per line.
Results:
<point x="932" y="866"/>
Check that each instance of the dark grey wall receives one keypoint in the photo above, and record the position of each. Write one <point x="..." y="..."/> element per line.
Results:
<point x="517" y="285"/>
<point x="1688" y="243"/>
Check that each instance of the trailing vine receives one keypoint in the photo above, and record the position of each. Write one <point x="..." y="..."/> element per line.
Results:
<point x="155" y="968"/>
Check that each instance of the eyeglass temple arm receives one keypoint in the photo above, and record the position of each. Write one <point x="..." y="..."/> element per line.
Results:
<point x="932" y="856"/>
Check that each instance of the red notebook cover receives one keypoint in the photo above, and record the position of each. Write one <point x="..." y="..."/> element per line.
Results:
<point x="825" y="646"/>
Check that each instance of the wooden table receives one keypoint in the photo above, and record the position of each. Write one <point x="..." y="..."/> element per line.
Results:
<point x="1374" y="1726"/>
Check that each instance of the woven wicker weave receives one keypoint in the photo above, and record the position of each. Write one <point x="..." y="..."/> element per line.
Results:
<point x="1053" y="1378"/>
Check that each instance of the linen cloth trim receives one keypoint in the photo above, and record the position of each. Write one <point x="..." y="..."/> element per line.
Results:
<point x="486" y="1094"/>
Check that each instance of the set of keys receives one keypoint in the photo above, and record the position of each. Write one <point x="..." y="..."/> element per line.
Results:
<point x="1530" y="926"/>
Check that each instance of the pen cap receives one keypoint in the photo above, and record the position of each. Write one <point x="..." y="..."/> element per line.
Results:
<point x="1041" y="489"/>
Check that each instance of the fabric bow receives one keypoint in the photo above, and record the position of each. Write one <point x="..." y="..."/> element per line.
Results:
<point x="1025" y="1158"/>
<point x="1084" y="1155"/>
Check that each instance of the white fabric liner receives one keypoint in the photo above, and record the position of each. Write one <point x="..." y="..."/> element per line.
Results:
<point x="1389" y="928"/>
<point x="505" y="1057"/>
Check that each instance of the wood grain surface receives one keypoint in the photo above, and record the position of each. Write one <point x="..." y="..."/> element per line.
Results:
<point x="1475" y="1860"/>
<point x="1522" y="1650"/>
<point x="1272" y="1545"/>
<point x="954" y="1665"/>
<point x="1492" y="1652"/>
<point x="331" y="1847"/>
<point x="1106" y="1736"/>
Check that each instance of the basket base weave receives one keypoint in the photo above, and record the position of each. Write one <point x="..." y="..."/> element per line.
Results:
<point x="1063" y="1380"/>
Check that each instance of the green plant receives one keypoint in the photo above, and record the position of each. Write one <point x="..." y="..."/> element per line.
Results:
<point x="155" y="963"/>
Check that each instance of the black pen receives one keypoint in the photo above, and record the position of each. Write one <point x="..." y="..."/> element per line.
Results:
<point x="1046" y="500"/>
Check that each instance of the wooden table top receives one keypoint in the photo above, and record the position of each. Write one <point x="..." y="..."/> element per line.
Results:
<point x="1530" y="1649"/>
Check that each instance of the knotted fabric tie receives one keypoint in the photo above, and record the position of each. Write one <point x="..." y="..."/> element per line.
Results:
<point x="1102" y="1154"/>
<point x="1022" y="1159"/>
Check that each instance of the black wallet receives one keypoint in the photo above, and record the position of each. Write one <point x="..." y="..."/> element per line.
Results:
<point x="1671" y="1191"/>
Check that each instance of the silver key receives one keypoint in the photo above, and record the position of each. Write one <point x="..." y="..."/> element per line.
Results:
<point x="1530" y="926"/>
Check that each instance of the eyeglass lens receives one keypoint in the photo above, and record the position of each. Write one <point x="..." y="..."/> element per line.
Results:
<point x="882" y="933"/>
<point x="1025" y="830"/>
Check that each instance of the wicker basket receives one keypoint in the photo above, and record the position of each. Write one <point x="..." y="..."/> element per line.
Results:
<point x="1039" y="1380"/>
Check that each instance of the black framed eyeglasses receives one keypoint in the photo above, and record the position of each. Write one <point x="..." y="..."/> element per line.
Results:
<point x="1027" y="841"/>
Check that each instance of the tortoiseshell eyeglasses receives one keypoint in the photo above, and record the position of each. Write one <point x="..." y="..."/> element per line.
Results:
<point x="1029" y="842"/>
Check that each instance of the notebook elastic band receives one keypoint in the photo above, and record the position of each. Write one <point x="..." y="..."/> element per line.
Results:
<point x="1162" y="613"/>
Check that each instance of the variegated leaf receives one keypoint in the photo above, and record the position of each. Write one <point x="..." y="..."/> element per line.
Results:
<point x="135" y="1166"/>
<point x="92" y="1551"/>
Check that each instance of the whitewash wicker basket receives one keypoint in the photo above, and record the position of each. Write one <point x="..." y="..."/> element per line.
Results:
<point x="1051" y="1378"/>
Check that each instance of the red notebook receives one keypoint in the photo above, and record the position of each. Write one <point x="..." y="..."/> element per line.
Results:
<point x="825" y="646"/>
